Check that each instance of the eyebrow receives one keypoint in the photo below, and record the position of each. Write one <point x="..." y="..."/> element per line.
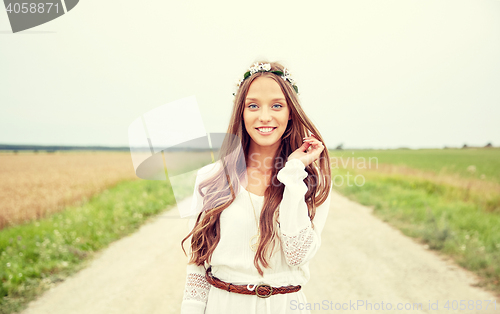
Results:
<point x="271" y="99"/>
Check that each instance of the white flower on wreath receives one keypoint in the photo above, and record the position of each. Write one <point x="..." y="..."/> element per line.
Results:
<point x="260" y="67"/>
<point x="287" y="77"/>
<point x="254" y="68"/>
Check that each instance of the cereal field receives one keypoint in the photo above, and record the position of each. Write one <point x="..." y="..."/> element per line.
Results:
<point x="35" y="184"/>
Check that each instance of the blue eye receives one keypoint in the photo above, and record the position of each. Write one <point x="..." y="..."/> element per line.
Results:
<point x="255" y="106"/>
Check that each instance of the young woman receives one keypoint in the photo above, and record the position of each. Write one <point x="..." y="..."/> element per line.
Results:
<point x="260" y="220"/>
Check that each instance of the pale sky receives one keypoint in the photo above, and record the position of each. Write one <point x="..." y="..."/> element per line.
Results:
<point x="378" y="74"/>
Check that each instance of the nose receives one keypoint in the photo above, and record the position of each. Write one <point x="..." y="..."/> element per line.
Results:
<point x="265" y="115"/>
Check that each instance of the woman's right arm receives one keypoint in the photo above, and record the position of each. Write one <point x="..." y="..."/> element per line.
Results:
<point x="196" y="288"/>
<point x="195" y="291"/>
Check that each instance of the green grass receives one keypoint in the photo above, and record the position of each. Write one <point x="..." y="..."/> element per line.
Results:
<point x="446" y="218"/>
<point x="37" y="254"/>
<point x="451" y="161"/>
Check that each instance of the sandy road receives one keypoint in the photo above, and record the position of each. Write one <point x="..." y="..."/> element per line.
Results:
<point x="361" y="259"/>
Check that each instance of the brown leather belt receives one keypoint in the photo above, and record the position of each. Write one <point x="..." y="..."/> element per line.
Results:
<point x="261" y="290"/>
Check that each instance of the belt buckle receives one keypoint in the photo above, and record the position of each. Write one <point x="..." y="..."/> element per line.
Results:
<point x="263" y="295"/>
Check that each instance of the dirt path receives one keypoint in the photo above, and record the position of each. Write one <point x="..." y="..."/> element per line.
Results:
<point x="361" y="259"/>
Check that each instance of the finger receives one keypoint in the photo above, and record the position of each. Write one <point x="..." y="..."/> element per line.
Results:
<point x="305" y="146"/>
<point x="314" y="142"/>
<point x="318" y="145"/>
<point x="311" y="139"/>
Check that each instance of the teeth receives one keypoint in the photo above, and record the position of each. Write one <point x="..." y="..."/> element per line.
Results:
<point x="265" y="130"/>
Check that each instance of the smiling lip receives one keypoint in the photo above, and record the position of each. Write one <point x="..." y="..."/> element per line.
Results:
<point x="266" y="133"/>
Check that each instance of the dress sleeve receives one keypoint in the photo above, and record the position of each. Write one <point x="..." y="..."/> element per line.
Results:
<point x="299" y="240"/>
<point x="196" y="288"/>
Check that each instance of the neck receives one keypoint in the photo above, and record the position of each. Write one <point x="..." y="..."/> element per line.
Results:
<point x="261" y="157"/>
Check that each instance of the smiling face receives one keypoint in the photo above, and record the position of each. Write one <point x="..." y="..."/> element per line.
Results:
<point x="266" y="112"/>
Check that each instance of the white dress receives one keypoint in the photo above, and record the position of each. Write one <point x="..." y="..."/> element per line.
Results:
<point x="232" y="260"/>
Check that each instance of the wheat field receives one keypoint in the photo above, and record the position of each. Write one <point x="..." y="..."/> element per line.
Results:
<point x="33" y="185"/>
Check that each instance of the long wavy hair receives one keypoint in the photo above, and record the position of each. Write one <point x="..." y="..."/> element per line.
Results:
<point x="223" y="186"/>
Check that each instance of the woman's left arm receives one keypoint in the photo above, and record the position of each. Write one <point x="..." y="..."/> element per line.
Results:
<point x="299" y="240"/>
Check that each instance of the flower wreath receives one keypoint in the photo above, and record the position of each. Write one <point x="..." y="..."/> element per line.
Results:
<point x="266" y="67"/>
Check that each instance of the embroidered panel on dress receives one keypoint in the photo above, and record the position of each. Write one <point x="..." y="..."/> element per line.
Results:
<point x="296" y="247"/>
<point x="197" y="288"/>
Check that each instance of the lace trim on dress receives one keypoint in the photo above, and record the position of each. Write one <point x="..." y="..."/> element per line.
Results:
<point x="197" y="288"/>
<point x="296" y="247"/>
